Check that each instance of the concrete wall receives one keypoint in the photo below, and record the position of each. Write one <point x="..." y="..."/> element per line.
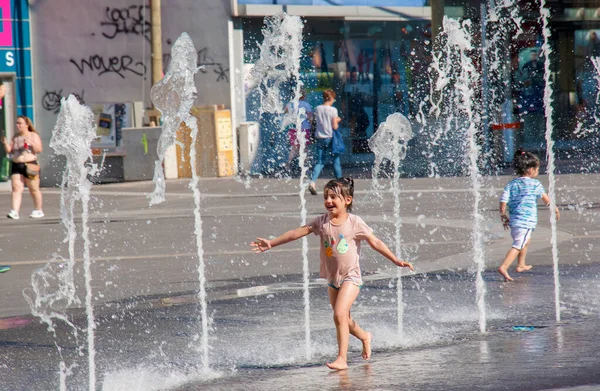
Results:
<point x="101" y="52"/>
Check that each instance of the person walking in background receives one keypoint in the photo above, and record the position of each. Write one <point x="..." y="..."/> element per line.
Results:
<point x="360" y="62"/>
<point x="341" y="234"/>
<point x="23" y="150"/>
<point x="306" y="126"/>
<point x="328" y="121"/>
<point x="521" y="195"/>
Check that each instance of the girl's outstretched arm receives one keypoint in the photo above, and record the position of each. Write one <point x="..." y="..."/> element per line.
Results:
<point x="377" y="245"/>
<point x="546" y="200"/>
<point x="262" y="245"/>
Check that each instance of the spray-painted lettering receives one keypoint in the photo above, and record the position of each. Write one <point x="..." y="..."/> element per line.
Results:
<point x="120" y="65"/>
<point x="134" y="20"/>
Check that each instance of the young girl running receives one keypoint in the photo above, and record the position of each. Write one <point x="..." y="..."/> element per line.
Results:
<point x="521" y="195"/>
<point x="341" y="233"/>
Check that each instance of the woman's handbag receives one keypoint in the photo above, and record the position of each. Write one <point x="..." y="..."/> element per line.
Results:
<point x="337" y="143"/>
<point x="32" y="170"/>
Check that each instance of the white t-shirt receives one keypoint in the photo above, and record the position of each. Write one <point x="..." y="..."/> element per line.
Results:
<point x="324" y="116"/>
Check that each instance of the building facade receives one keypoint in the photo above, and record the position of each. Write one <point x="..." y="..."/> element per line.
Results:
<point x="375" y="54"/>
<point x="15" y="65"/>
<point x="101" y="52"/>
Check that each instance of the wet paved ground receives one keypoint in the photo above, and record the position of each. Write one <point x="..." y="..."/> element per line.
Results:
<point x="144" y="281"/>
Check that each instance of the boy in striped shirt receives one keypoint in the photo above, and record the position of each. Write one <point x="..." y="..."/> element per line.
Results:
<point x="520" y="197"/>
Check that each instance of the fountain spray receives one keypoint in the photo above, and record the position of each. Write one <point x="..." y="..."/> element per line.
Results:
<point x="462" y="94"/>
<point x="548" y="110"/>
<point x="174" y="96"/>
<point x="397" y="132"/>
<point x="278" y="65"/>
<point x="53" y="285"/>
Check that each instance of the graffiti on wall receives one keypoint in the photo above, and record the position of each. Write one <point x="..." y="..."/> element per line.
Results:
<point x="51" y="100"/>
<point x="208" y="65"/>
<point x="134" y="19"/>
<point x="119" y="27"/>
<point x="120" y="65"/>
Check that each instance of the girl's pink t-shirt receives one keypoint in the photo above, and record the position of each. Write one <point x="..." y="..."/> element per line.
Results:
<point x="340" y="245"/>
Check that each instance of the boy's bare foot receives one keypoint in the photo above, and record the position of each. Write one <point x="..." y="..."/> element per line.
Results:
<point x="366" y="353"/>
<point x="338" y="365"/>
<point x="524" y="268"/>
<point x="504" y="274"/>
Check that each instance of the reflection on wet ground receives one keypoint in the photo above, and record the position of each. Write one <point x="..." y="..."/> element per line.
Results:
<point x="257" y="338"/>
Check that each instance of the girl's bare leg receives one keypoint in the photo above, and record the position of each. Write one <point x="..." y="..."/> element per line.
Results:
<point x="34" y="190"/>
<point x="364" y="336"/>
<point x="17" y="191"/>
<point x="355" y="330"/>
<point x="508" y="260"/>
<point x="521" y="266"/>
<point x="341" y="301"/>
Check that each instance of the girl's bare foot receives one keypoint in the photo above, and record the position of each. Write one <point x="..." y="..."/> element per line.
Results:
<point x="524" y="268"/>
<point x="504" y="274"/>
<point x="338" y="365"/>
<point x="366" y="353"/>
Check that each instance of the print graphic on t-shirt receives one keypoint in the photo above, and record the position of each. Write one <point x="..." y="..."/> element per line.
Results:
<point x="342" y="246"/>
<point x="328" y="249"/>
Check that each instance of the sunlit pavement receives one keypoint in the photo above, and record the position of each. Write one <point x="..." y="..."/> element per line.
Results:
<point x="144" y="282"/>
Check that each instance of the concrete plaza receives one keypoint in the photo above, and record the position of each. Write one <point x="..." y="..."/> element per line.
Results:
<point x="144" y="283"/>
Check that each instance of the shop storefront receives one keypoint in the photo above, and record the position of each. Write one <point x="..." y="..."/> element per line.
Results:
<point x="378" y="67"/>
<point x="520" y="112"/>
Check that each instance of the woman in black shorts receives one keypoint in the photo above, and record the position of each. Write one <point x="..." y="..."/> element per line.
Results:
<point x="23" y="150"/>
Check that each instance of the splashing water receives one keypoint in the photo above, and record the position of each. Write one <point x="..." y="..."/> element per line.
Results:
<point x="274" y="74"/>
<point x="174" y="96"/>
<point x="397" y="132"/>
<point x="279" y="65"/>
<point x="454" y="63"/>
<point x="545" y="15"/>
<point x="443" y="152"/>
<point x="596" y="63"/>
<point x="193" y="125"/>
<point x="497" y="95"/>
<point x="278" y="62"/>
<point x="292" y="25"/>
<point x="53" y="285"/>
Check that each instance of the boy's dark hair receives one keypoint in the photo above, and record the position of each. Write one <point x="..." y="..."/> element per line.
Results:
<point x="342" y="187"/>
<point x="524" y="160"/>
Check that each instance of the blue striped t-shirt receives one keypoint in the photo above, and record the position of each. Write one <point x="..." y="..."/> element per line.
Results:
<point x="521" y="195"/>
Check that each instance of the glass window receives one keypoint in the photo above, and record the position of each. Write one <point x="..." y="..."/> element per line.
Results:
<point x="375" y="68"/>
<point x="378" y="68"/>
